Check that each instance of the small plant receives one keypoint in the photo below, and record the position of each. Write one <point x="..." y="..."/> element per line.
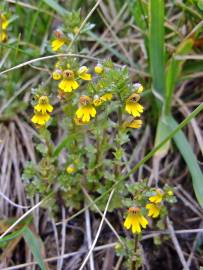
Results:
<point x="147" y="207"/>
<point x="97" y="108"/>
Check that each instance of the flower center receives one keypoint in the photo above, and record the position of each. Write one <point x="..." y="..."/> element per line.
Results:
<point x="43" y="100"/>
<point x="58" y="34"/>
<point x="134" y="210"/>
<point x="68" y="74"/>
<point x="85" y="100"/>
<point x="135" y="98"/>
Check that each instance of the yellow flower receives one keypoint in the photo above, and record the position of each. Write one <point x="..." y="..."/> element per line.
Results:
<point x="98" y="69"/>
<point x="59" y="40"/>
<point x="40" y="118"/>
<point x="170" y="193"/>
<point x="3" y="36"/>
<point x="158" y="197"/>
<point x="57" y="74"/>
<point x="107" y="97"/>
<point x="56" y="44"/>
<point x="100" y="100"/>
<point x="86" y="109"/>
<point x="43" y="105"/>
<point x="3" y="26"/>
<point x="3" y="22"/>
<point x="138" y="88"/>
<point x="97" y="101"/>
<point x="82" y="73"/>
<point x="57" y="65"/>
<point x="136" y="123"/>
<point x="70" y="169"/>
<point x="154" y="210"/>
<point x="76" y="30"/>
<point x="136" y="220"/>
<point x="132" y="106"/>
<point x="68" y="83"/>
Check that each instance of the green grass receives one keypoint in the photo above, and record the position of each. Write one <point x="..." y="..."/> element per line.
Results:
<point x="164" y="81"/>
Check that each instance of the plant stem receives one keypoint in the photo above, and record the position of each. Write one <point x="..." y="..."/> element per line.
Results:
<point x="133" y="265"/>
<point x="118" y="167"/>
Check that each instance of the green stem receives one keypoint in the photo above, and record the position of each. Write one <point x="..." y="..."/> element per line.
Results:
<point x="133" y="265"/>
<point x="99" y="143"/>
<point x="118" y="167"/>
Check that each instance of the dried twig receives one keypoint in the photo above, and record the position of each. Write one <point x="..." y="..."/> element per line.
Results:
<point x="177" y="245"/>
<point x="65" y="256"/>
<point x="89" y="237"/>
<point x="98" y="232"/>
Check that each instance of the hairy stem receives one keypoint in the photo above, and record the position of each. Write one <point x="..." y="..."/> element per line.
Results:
<point x="133" y="264"/>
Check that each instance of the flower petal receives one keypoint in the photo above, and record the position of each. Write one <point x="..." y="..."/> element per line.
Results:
<point x="75" y="85"/>
<point x="79" y="113"/>
<point x="135" y="225"/>
<point x="57" y="44"/>
<point x="128" y="222"/>
<point x="86" y="76"/>
<point x="143" y="221"/>
<point x="65" y="85"/>
<point x="93" y="111"/>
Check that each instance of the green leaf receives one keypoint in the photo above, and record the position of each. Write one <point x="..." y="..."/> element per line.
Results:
<point x="58" y="8"/>
<point x="65" y="143"/>
<point x="17" y="232"/>
<point x="35" y="245"/>
<point x="42" y="148"/>
<point x="156" y="47"/>
<point x="200" y="6"/>
<point x="190" y="159"/>
<point x="192" y="66"/>
<point x="139" y="12"/>
<point x="161" y="133"/>
<point x="174" y="70"/>
<point x="11" y="236"/>
<point x="90" y="149"/>
<point x="118" y="154"/>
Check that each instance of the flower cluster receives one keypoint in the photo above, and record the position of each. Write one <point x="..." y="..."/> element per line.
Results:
<point x="134" y="108"/>
<point x="97" y="99"/>
<point x="87" y="108"/>
<point x="154" y="207"/>
<point x="135" y="217"/>
<point x="3" y="27"/>
<point x="69" y="78"/>
<point x="41" y="111"/>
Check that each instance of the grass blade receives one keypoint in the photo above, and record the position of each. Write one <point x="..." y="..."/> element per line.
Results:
<point x="109" y="47"/>
<point x="156" y="47"/>
<point x="35" y="245"/>
<point x="161" y="133"/>
<point x="190" y="159"/>
<point x="54" y="5"/>
<point x="139" y="12"/>
<point x="174" y="70"/>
